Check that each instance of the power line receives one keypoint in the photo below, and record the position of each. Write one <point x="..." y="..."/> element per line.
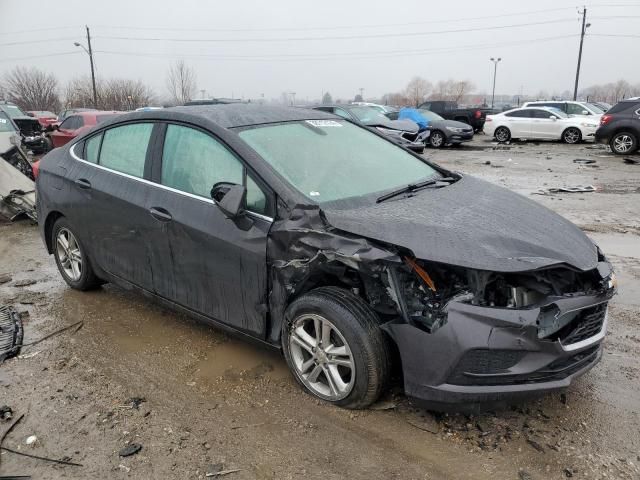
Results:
<point x="330" y="56"/>
<point x="18" y="32"/>
<point x="44" y="40"/>
<point x="341" y="37"/>
<point x="17" y="59"/>
<point x="616" y="35"/>
<point x="335" y="27"/>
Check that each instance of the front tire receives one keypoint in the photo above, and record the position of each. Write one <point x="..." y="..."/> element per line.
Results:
<point x="437" y="139"/>
<point x="572" y="136"/>
<point x="72" y="258"/>
<point x="335" y="348"/>
<point x="502" y="134"/>
<point x="623" y="143"/>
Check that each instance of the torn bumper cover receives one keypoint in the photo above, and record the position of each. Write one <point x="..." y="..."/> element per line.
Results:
<point x="17" y="188"/>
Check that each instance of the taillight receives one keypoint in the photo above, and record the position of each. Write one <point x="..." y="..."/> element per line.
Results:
<point x="605" y="119"/>
<point x="35" y="166"/>
<point x="488" y="119"/>
<point x="477" y="114"/>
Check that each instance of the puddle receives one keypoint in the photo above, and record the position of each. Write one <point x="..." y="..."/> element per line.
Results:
<point x="236" y="359"/>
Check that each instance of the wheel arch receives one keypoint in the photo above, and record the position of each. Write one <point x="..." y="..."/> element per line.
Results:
<point x="49" y="222"/>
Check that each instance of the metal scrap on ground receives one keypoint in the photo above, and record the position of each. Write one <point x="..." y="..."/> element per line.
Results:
<point x="10" y="332"/>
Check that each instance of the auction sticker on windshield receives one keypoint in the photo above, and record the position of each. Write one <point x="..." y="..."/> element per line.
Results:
<point x="324" y="123"/>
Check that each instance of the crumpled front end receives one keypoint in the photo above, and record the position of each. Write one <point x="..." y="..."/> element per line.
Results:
<point x="474" y="337"/>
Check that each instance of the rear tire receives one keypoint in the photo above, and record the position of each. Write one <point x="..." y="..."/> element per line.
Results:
<point x="437" y="139"/>
<point x="571" y="136"/>
<point x="349" y="365"/>
<point x="502" y="134"/>
<point x="623" y="143"/>
<point x="71" y="257"/>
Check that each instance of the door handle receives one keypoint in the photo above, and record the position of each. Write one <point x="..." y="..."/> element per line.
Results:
<point x="161" y="214"/>
<point x="83" y="183"/>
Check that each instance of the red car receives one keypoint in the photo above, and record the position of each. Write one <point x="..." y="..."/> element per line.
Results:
<point x="44" y="118"/>
<point x="76" y="124"/>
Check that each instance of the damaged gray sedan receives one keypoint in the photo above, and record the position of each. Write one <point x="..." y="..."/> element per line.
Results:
<point x="311" y="234"/>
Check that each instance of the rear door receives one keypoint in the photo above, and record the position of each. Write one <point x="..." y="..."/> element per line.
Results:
<point x="519" y="122"/>
<point x="203" y="260"/>
<point x="545" y="125"/>
<point x="111" y="187"/>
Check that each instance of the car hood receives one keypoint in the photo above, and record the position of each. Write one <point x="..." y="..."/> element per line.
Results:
<point x="402" y="125"/>
<point x="474" y="224"/>
<point x="448" y="123"/>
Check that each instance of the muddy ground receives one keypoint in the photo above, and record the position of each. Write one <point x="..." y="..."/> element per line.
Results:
<point x="199" y="401"/>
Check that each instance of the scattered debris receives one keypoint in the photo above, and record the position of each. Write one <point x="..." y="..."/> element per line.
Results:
<point x="217" y="470"/>
<point x="568" y="472"/>
<point x="631" y="161"/>
<point x="31" y="440"/>
<point x="29" y="355"/>
<point x="53" y="334"/>
<point x="488" y="162"/>
<point x="135" y="402"/>
<point x="130" y="449"/>
<point x="576" y="189"/>
<point x="17" y="190"/>
<point x="25" y="283"/>
<point x="535" y="445"/>
<point x="236" y="427"/>
<point x="524" y="475"/>
<point x="6" y="412"/>
<point x="584" y="161"/>
<point x="5" y="278"/>
<point x="10" y="332"/>
<point x="484" y="425"/>
<point x="384" y="405"/>
<point x="426" y="422"/>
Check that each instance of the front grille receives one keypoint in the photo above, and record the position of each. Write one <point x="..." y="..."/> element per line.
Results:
<point x="557" y="370"/>
<point x="587" y="323"/>
<point x="484" y="362"/>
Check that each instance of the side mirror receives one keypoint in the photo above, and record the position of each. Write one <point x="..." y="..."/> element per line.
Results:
<point x="553" y="117"/>
<point x="229" y="197"/>
<point x="584" y="112"/>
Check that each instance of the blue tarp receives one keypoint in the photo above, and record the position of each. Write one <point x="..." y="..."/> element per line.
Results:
<point x="413" y="115"/>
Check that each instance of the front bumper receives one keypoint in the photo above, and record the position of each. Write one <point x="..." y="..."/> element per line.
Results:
<point x="460" y="137"/>
<point x="486" y="357"/>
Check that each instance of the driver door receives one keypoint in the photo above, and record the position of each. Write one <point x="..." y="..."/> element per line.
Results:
<point x="201" y="259"/>
<point x="66" y="131"/>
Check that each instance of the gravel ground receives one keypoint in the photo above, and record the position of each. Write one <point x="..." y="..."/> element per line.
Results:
<point x="198" y="401"/>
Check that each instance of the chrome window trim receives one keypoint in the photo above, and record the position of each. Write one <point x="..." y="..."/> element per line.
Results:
<point x="157" y="185"/>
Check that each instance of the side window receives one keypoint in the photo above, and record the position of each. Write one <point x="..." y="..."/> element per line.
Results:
<point x="193" y="162"/>
<point x="70" y="123"/>
<point x="519" y="114"/>
<point x="124" y="148"/>
<point x="575" y="109"/>
<point x="426" y="106"/>
<point x="542" y="114"/>
<point x="92" y="148"/>
<point x="256" y="199"/>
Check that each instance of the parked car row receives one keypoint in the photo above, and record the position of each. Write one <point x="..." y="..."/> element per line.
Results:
<point x="571" y="122"/>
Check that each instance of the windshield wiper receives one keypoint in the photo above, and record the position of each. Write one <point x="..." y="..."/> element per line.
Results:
<point x="413" y="187"/>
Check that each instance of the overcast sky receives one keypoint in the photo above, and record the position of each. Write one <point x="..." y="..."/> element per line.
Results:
<point x="269" y="47"/>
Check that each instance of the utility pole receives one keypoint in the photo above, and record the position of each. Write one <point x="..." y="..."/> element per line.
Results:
<point x="361" y="94"/>
<point x="585" y="25"/>
<point x="93" y="72"/>
<point x="202" y="92"/>
<point x="495" y="71"/>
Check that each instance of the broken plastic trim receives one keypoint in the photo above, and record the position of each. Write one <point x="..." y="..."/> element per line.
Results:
<point x="11" y="332"/>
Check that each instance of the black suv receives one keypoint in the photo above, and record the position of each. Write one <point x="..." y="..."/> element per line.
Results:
<point x="620" y="127"/>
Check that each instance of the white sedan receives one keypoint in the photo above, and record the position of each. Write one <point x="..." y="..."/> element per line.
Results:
<point x="539" y="123"/>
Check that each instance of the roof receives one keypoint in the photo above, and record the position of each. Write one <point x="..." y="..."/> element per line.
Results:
<point x="246" y="114"/>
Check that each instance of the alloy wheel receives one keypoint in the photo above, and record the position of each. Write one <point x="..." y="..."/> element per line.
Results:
<point x="572" y="135"/>
<point x="69" y="254"/>
<point x="321" y="357"/>
<point x="502" y="135"/>
<point x="622" y="143"/>
<point x="436" y="139"/>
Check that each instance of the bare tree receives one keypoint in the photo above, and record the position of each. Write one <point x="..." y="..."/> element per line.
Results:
<point x="417" y="90"/>
<point x="181" y="82"/>
<point x="398" y="99"/>
<point x="113" y="94"/>
<point x="326" y="99"/>
<point x="32" y="89"/>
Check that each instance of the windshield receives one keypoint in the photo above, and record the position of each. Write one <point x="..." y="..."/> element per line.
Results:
<point x="13" y="111"/>
<point x="429" y="115"/>
<point x="595" y="108"/>
<point x="5" y="124"/>
<point x="105" y="117"/>
<point x="369" y="115"/>
<point x="329" y="160"/>
<point x="558" y="112"/>
<point x="41" y="113"/>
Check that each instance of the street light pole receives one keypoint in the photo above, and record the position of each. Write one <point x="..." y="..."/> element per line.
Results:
<point x="93" y="72"/>
<point x="495" y="71"/>
<point x="585" y="25"/>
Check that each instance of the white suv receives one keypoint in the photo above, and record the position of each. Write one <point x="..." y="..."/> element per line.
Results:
<point x="578" y="109"/>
